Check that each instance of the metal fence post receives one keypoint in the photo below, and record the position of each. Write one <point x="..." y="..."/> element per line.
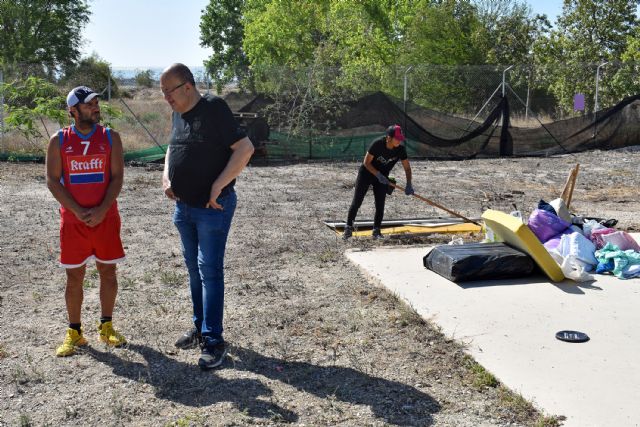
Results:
<point x="404" y="125"/>
<point x="1" y="104"/>
<point x="109" y="87"/>
<point x="504" y="78"/>
<point x="526" y="107"/>
<point x="595" y="102"/>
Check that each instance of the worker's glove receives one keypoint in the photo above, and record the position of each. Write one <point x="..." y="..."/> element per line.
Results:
<point x="408" y="190"/>
<point x="382" y="179"/>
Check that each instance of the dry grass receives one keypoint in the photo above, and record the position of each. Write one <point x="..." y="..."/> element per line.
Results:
<point x="148" y="105"/>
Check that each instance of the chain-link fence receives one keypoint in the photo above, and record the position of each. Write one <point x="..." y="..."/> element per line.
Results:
<point x="310" y="102"/>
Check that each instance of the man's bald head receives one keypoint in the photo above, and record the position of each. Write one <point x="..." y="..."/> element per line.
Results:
<point x="179" y="71"/>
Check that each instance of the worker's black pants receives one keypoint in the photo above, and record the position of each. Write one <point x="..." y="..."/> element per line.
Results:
<point x="364" y="180"/>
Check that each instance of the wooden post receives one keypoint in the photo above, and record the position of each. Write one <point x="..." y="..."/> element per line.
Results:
<point x="567" y="192"/>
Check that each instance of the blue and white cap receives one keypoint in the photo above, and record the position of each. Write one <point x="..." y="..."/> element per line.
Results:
<point x="80" y="95"/>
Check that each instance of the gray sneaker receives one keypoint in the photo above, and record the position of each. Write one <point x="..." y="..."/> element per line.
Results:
<point x="376" y="234"/>
<point x="348" y="232"/>
<point x="190" y="339"/>
<point x="212" y="356"/>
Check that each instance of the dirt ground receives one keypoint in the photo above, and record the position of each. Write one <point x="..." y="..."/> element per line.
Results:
<point x="312" y="342"/>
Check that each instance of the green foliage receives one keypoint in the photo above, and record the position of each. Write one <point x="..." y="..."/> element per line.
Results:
<point x="589" y="32"/>
<point x="283" y="33"/>
<point x="626" y="80"/>
<point x="329" y="51"/>
<point x="632" y="53"/>
<point x="362" y="41"/>
<point x="222" y="30"/>
<point x="32" y="100"/>
<point x="443" y="33"/>
<point x="510" y="30"/>
<point x="364" y="46"/>
<point x="143" y="78"/>
<point x="481" y="378"/>
<point x="45" y="35"/>
<point x="29" y="101"/>
<point x="91" y="71"/>
<point x="109" y="114"/>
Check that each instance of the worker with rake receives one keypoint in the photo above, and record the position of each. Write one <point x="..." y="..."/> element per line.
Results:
<point x="381" y="157"/>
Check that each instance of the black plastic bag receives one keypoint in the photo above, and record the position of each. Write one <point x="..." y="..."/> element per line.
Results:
<point x="478" y="261"/>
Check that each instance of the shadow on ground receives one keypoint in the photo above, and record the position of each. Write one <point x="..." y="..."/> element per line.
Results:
<point x="185" y="383"/>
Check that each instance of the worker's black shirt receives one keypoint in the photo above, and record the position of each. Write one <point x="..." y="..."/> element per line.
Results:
<point x="385" y="159"/>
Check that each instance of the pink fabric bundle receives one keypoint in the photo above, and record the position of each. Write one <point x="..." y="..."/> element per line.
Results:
<point x="622" y="240"/>
<point x="596" y="236"/>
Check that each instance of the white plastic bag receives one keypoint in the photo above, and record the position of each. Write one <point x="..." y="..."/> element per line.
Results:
<point x="561" y="209"/>
<point x="572" y="267"/>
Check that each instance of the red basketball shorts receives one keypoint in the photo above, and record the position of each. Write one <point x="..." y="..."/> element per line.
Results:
<point x="80" y="243"/>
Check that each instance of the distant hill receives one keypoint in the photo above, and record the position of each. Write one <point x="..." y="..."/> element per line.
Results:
<point x="129" y="73"/>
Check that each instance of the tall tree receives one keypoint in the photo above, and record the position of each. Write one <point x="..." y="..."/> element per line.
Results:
<point x="597" y="29"/>
<point x="91" y="71"/>
<point x="283" y="32"/>
<point x="41" y="34"/>
<point x="362" y="42"/>
<point x="222" y="29"/>
<point x="626" y="80"/>
<point x="356" y="39"/>
<point x="510" y="30"/>
<point x="440" y="37"/>
<point x="444" y="33"/>
<point x="589" y="33"/>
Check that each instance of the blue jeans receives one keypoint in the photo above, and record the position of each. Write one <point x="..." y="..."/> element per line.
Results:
<point x="204" y="237"/>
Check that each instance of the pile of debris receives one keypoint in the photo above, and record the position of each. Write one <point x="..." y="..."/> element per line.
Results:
<point x="561" y="244"/>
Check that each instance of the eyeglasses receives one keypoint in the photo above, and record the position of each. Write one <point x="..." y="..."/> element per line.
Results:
<point x="169" y="92"/>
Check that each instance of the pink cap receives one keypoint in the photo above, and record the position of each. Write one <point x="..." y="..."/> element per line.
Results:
<point x="395" y="131"/>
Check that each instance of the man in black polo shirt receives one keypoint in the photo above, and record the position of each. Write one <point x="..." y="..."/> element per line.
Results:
<point x="207" y="151"/>
<point x="381" y="157"/>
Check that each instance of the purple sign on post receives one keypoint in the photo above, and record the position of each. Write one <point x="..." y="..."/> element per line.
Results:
<point x="578" y="102"/>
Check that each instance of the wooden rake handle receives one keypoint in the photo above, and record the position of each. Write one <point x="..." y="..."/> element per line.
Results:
<point x="437" y="205"/>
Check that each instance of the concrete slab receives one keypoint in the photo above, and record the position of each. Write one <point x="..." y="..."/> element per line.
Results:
<point x="509" y="327"/>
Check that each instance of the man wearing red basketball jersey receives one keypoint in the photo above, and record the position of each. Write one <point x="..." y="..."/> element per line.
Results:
<point x="85" y="171"/>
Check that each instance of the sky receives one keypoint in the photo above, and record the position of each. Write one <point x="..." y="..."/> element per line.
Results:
<point x="157" y="33"/>
<point x="145" y="33"/>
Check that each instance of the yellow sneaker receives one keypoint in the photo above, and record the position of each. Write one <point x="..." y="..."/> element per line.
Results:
<point x="110" y="336"/>
<point x="71" y="342"/>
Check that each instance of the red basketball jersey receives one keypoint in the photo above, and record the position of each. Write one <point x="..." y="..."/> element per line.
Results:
<point x="86" y="164"/>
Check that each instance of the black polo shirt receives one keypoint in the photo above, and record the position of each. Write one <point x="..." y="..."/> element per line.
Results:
<point x="384" y="159"/>
<point x="200" y="144"/>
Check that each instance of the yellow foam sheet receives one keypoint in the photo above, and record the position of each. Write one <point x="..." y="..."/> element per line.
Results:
<point x="511" y="230"/>
<point x="420" y="229"/>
